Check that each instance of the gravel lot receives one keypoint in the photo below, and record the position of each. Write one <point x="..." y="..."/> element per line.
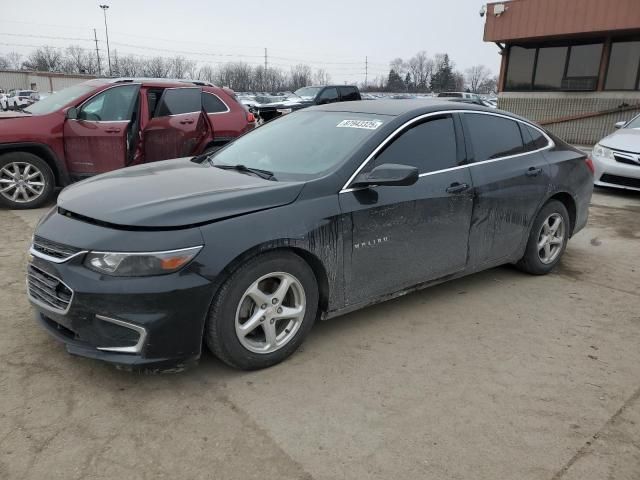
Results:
<point x="495" y="376"/>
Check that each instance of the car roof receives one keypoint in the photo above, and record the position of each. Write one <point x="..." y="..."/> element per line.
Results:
<point x="399" y="107"/>
<point x="160" y="82"/>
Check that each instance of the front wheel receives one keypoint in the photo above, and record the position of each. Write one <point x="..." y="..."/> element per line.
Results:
<point x="26" y="181"/>
<point x="547" y="239"/>
<point x="263" y="312"/>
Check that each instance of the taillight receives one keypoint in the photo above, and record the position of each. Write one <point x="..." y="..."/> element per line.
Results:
<point x="590" y="165"/>
<point x="250" y="117"/>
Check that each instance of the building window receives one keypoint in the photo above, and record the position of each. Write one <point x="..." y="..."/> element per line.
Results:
<point x="624" y="63"/>
<point x="520" y="70"/>
<point x="550" y="68"/>
<point x="566" y="67"/>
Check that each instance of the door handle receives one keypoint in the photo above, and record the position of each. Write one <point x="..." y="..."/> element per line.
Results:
<point x="457" y="187"/>
<point x="185" y="122"/>
<point x="112" y="130"/>
<point x="533" y="172"/>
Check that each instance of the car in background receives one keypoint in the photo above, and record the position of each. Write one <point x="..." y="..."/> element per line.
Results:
<point x="4" y="104"/>
<point x="617" y="157"/>
<point x="458" y="95"/>
<point x="19" y="99"/>
<point x="105" y="124"/>
<point x="322" y="212"/>
<point x="304" y="97"/>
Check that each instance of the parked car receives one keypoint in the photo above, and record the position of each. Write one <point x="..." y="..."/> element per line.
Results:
<point x="4" y="104"/>
<point x="458" y="95"/>
<point x="306" y="97"/>
<point x="19" y="99"/>
<point x="105" y="124"/>
<point x="617" y="157"/>
<point x="325" y="211"/>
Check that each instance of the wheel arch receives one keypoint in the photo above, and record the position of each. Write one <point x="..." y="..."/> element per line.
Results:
<point x="570" y="204"/>
<point x="45" y="153"/>
<point x="316" y="265"/>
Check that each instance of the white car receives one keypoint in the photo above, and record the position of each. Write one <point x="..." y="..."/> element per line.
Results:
<point x="4" y="105"/>
<point x="617" y="157"/>
<point x="19" y="99"/>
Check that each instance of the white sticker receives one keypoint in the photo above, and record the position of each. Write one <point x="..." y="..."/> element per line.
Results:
<point x="366" y="124"/>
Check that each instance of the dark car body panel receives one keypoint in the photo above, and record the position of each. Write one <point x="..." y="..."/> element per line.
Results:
<point x="364" y="245"/>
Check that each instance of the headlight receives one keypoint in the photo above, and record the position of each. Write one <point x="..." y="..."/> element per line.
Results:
<point x="604" y="152"/>
<point x="141" y="264"/>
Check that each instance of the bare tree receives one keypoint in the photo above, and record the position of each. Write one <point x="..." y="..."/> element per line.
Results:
<point x="180" y="65"/>
<point x="421" y="68"/>
<point x="44" y="59"/>
<point x="399" y="66"/>
<point x="79" y="60"/>
<point x="321" y="77"/>
<point x="14" y="59"/>
<point x="4" y="63"/>
<point x="156" y="67"/>
<point x="300" y="76"/>
<point x="489" y="85"/>
<point x="475" y="76"/>
<point x="206" y="72"/>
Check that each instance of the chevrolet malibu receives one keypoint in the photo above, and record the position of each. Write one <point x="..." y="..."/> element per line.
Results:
<point x="319" y="213"/>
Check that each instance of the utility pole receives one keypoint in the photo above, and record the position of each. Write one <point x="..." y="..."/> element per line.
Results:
<point x="264" y="76"/>
<point x="366" y="71"/>
<point x="106" y="31"/>
<point x="95" y="36"/>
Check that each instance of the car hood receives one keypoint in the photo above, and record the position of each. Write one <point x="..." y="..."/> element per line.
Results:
<point x="16" y="114"/>
<point x="627" y="139"/>
<point x="172" y="194"/>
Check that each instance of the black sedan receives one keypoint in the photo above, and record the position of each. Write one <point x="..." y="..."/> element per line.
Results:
<point x="319" y="213"/>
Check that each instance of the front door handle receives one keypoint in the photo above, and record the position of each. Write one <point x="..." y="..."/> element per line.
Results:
<point x="533" y="172"/>
<point x="185" y="122"/>
<point x="113" y="130"/>
<point x="457" y="187"/>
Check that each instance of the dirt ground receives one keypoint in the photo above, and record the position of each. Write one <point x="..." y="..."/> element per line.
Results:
<point x="498" y="375"/>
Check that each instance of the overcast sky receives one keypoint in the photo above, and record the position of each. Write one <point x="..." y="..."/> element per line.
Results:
<point x="329" y="34"/>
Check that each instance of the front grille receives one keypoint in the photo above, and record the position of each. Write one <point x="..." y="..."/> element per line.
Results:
<point x="53" y="249"/>
<point x="629" y="159"/>
<point x="48" y="290"/>
<point x="622" y="181"/>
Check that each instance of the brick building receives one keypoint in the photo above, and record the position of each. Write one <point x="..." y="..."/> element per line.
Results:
<point x="571" y="65"/>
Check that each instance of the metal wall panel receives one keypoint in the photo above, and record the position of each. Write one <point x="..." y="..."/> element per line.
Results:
<point x="531" y="19"/>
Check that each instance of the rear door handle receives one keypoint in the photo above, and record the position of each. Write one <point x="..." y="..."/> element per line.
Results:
<point x="112" y="130"/>
<point x="533" y="172"/>
<point x="457" y="187"/>
<point x="185" y="122"/>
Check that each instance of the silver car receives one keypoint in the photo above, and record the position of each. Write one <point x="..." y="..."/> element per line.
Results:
<point x="617" y="157"/>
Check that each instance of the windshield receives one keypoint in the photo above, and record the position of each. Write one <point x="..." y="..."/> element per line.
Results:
<point x="59" y="99"/>
<point x="307" y="92"/>
<point x="635" y="123"/>
<point x="302" y="145"/>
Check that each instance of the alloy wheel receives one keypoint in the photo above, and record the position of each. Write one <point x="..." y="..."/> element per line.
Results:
<point x="21" y="182"/>
<point x="270" y="312"/>
<point x="551" y="238"/>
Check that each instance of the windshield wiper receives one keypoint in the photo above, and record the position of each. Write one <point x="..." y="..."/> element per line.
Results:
<point x="266" y="174"/>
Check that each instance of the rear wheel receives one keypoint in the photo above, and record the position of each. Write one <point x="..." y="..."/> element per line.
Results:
<point x="547" y="239"/>
<point x="263" y="312"/>
<point x="26" y="181"/>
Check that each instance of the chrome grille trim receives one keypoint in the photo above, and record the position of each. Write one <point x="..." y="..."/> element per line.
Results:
<point x="137" y="348"/>
<point x="41" y="290"/>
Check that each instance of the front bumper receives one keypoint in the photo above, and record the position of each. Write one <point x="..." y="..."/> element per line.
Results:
<point x="135" y="322"/>
<point x="612" y="173"/>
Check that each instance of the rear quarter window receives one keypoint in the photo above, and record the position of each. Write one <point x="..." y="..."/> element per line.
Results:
<point x="492" y="136"/>
<point x="212" y="103"/>
<point x="348" y="94"/>
<point x="533" y="138"/>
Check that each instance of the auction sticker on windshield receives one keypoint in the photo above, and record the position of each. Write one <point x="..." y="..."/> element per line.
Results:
<point x="366" y="124"/>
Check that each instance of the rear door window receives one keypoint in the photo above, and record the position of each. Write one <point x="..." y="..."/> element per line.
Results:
<point x="175" y="101"/>
<point x="492" y="136"/>
<point x="349" y="94"/>
<point x="328" y="95"/>
<point x="213" y="104"/>
<point x="429" y="146"/>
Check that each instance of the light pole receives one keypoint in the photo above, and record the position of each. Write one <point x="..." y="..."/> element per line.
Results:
<point x="106" y="31"/>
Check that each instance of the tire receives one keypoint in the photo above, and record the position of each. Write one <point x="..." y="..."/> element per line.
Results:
<point x="232" y="303"/>
<point x="36" y="191"/>
<point x="537" y="259"/>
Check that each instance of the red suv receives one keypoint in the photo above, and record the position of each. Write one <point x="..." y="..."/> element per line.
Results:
<point x="105" y="124"/>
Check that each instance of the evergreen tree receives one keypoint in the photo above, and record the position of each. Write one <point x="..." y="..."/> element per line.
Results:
<point x="443" y="78"/>
<point x="407" y="82"/>
<point x="395" y="83"/>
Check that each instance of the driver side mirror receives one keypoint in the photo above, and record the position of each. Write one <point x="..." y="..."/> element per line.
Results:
<point x="72" y="113"/>
<point x="387" y="174"/>
<point x="620" y="124"/>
